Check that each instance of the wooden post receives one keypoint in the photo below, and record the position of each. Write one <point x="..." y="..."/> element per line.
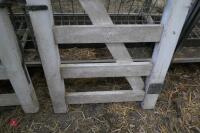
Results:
<point x="11" y="59"/>
<point x="173" y="19"/>
<point x="42" y="22"/>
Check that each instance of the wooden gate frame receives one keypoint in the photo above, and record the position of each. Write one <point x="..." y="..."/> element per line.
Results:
<point x="165" y="35"/>
<point x="13" y="70"/>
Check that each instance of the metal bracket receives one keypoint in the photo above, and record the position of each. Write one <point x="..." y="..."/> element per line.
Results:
<point x="36" y="7"/>
<point x="155" y="88"/>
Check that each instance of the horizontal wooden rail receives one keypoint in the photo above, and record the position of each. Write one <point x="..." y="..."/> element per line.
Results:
<point x="8" y="100"/>
<point x="90" y="70"/>
<point x="3" y="74"/>
<point x="107" y="34"/>
<point x="104" y="96"/>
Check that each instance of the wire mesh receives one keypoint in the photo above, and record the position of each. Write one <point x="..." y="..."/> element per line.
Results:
<point x="195" y="34"/>
<point x="83" y="19"/>
<point x="120" y="11"/>
<point x="112" y="6"/>
<point x="70" y="12"/>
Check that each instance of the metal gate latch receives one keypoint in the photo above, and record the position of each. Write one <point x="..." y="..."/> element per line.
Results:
<point x="155" y="88"/>
<point x="36" y="7"/>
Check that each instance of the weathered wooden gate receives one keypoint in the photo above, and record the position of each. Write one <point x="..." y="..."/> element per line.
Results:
<point x="13" y="69"/>
<point x="49" y="36"/>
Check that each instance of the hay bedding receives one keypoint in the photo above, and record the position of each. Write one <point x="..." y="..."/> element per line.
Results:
<point x="70" y="54"/>
<point x="85" y="53"/>
<point x="177" y="109"/>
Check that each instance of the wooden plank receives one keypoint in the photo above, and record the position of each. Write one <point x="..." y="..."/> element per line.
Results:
<point x="187" y="60"/>
<point x="3" y="74"/>
<point x="38" y="63"/>
<point x="104" y="96"/>
<point x="8" y="100"/>
<point x="107" y="34"/>
<point x="182" y="59"/>
<point x="136" y="83"/>
<point x="96" y="11"/>
<point x="10" y="56"/>
<point x="99" y="16"/>
<point x="106" y="70"/>
<point x="163" y="51"/>
<point x="42" y="22"/>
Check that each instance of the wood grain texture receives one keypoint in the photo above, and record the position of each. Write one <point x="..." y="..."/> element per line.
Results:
<point x="42" y="22"/>
<point x="99" y="16"/>
<point x="164" y="50"/>
<point x="106" y="70"/>
<point x="104" y="96"/>
<point x="10" y="56"/>
<point x="9" y="100"/>
<point x="3" y="74"/>
<point x="107" y="34"/>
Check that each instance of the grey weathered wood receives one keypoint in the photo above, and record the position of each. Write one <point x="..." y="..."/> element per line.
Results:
<point x="9" y="100"/>
<point x="164" y="50"/>
<point x="176" y="60"/>
<point x="38" y="63"/>
<point x="106" y="70"/>
<point x="99" y="16"/>
<point x="107" y="34"/>
<point x="11" y="59"/>
<point x="136" y="83"/>
<point x="42" y="22"/>
<point x="3" y="74"/>
<point x="104" y="96"/>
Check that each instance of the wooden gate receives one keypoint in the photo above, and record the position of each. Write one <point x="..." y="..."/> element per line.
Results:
<point x="13" y="69"/>
<point x="49" y="36"/>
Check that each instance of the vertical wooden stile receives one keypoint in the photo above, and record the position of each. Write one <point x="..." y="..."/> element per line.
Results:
<point x="12" y="61"/>
<point x="42" y="22"/>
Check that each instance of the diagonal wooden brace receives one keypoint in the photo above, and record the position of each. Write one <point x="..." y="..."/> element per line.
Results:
<point x="99" y="16"/>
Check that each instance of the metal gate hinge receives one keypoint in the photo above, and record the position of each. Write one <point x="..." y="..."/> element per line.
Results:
<point x="36" y="7"/>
